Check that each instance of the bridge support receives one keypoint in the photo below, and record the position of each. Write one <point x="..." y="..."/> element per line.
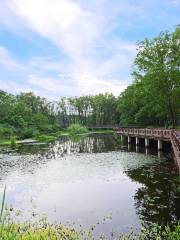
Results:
<point x="147" y="151"/>
<point x="129" y="139"/>
<point x="137" y="148"/>
<point x="137" y="141"/>
<point x="159" y="154"/>
<point x="159" y="144"/>
<point x="122" y="138"/>
<point x="146" y="142"/>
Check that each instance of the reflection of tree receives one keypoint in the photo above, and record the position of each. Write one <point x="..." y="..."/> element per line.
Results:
<point x="31" y="157"/>
<point x="156" y="201"/>
<point x="89" y="144"/>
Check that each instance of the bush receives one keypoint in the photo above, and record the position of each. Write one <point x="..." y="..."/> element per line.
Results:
<point x="47" y="128"/>
<point x="13" y="143"/>
<point x="6" y="132"/>
<point x="28" y="132"/>
<point x="75" y="129"/>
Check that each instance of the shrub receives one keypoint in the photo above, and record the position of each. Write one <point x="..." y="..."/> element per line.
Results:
<point x="6" y="132"/>
<point x="75" y="129"/>
<point x="28" y="132"/>
<point x="13" y="143"/>
<point x="46" y="128"/>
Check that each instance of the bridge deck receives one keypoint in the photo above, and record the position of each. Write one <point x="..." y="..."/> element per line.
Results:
<point x="158" y="134"/>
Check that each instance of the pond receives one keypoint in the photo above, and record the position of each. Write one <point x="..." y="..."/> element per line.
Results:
<point x="92" y="180"/>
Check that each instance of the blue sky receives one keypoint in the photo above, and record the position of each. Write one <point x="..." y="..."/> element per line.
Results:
<point x="76" y="47"/>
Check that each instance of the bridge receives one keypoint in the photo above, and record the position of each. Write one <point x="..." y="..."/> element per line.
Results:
<point x="158" y="134"/>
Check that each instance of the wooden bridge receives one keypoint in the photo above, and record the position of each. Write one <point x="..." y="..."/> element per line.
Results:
<point x="158" y="134"/>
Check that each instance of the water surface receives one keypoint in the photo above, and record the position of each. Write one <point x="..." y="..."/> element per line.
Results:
<point x="92" y="180"/>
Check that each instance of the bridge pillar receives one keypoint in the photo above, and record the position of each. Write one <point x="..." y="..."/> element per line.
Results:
<point x="147" y="151"/>
<point x="159" y="154"/>
<point x="146" y="142"/>
<point x="137" y="141"/>
<point x="129" y="139"/>
<point x="122" y="138"/>
<point x="137" y="148"/>
<point x="159" y="144"/>
<point x="129" y="146"/>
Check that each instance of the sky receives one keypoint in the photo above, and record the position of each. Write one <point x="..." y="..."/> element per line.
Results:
<point x="59" y="48"/>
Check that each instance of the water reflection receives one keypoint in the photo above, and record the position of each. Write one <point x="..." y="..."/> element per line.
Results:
<point x="99" y="174"/>
<point x="156" y="201"/>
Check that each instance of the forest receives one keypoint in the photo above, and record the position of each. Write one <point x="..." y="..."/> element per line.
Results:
<point x="153" y="99"/>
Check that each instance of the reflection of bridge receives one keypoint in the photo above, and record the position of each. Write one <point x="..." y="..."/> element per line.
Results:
<point x="158" y="134"/>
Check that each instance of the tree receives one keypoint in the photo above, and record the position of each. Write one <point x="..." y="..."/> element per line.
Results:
<point x="157" y="67"/>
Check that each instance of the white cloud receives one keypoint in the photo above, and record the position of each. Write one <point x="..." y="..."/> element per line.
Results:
<point x="79" y="29"/>
<point x="64" y="22"/>
<point x="6" y="60"/>
<point x="15" y="87"/>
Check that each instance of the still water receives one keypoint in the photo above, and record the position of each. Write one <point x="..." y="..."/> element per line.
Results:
<point x="92" y="180"/>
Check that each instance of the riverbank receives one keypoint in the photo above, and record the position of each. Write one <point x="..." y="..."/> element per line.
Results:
<point x="45" y="138"/>
<point x="54" y="136"/>
<point x="43" y="230"/>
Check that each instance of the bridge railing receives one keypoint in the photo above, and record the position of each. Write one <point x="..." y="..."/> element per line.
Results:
<point x="176" y="138"/>
<point x="145" y="132"/>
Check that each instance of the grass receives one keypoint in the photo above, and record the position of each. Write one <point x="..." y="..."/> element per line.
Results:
<point x="42" y="230"/>
<point x="45" y="138"/>
<point x="5" y="142"/>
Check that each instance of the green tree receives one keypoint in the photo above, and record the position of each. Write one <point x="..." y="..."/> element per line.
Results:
<point x="157" y="67"/>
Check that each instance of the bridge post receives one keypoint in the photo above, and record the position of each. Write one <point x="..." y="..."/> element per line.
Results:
<point x="129" y="139"/>
<point x="147" y="151"/>
<point x="137" y="148"/>
<point x="137" y="141"/>
<point x="122" y="138"/>
<point x="146" y="142"/>
<point x="159" y="144"/>
<point x="159" y="154"/>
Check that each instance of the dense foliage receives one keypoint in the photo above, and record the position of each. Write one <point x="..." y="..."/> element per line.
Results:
<point x="153" y="99"/>
<point x="25" y="115"/>
<point x="75" y="129"/>
<point x="95" y="110"/>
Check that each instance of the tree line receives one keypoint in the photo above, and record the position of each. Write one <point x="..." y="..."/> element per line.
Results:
<point x="153" y="99"/>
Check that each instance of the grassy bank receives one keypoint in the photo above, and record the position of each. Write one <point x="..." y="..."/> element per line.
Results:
<point x="45" y="231"/>
<point x="5" y="142"/>
<point x="45" y="138"/>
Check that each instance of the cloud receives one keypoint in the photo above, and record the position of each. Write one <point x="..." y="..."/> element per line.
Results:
<point x="79" y="31"/>
<point x="6" y="60"/>
<point x="64" y="22"/>
<point x="94" y="42"/>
